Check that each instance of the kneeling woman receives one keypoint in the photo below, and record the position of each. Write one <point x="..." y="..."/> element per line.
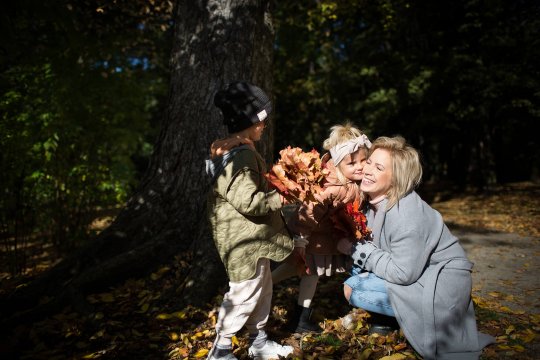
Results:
<point x="414" y="269"/>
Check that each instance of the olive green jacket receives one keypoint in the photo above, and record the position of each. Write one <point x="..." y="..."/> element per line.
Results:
<point x="246" y="220"/>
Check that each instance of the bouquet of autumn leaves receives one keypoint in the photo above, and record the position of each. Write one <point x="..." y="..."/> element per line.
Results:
<point x="350" y="220"/>
<point x="298" y="176"/>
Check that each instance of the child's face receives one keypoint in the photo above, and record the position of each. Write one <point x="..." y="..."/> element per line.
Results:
<point x="255" y="131"/>
<point x="352" y="165"/>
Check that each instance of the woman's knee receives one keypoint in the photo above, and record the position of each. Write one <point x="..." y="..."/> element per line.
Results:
<point x="347" y="291"/>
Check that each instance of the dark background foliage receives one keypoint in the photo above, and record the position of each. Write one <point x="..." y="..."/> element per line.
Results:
<point x="83" y="86"/>
<point x="457" y="79"/>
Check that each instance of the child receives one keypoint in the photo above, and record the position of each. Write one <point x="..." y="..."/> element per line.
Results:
<point x="317" y="239"/>
<point x="247" y="225"/>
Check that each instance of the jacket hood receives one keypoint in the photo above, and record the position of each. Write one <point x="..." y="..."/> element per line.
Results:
<point x="215" y="166"/>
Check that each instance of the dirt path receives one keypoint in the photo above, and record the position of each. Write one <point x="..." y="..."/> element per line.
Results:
<point x="506" y="267"/>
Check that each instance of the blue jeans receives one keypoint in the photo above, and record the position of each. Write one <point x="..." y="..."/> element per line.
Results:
<point x="369" y="293"/>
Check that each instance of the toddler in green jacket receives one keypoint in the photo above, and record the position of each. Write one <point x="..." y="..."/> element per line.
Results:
<point x="247" y="225"/>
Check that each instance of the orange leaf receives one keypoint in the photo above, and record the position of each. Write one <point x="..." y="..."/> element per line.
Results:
<point x="297" y="175"/>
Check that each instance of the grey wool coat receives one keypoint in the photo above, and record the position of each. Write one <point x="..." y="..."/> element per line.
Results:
<point x="428" y="279"/>
<point x="245" y="216"/>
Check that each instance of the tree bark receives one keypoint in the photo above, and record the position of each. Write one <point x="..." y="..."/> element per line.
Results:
<point x="215" y="42"/>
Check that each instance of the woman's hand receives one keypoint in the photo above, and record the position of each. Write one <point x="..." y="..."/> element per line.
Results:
<point x="361" y="252"/>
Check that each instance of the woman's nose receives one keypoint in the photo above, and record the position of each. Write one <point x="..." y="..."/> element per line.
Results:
<point x="367" y="168"/>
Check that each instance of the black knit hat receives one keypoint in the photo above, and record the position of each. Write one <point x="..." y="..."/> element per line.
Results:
<point x="242" y="104"/>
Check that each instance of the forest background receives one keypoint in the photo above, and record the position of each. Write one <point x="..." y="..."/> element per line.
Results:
<point x="85" y="87"/>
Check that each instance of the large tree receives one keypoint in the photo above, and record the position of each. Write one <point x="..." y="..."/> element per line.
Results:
<point x="215" y="42"/>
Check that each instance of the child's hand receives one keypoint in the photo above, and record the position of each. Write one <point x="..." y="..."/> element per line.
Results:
<point x="318" y="210"/>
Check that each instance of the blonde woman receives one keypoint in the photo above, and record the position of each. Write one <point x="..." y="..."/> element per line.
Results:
<point x="414" y="269"/>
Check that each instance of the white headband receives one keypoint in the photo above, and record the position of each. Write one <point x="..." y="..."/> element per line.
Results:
<point x="339" y="151"/>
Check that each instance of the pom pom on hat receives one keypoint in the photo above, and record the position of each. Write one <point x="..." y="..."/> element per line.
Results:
<point x="242" y="104"/>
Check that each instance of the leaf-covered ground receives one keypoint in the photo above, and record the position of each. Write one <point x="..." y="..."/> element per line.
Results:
<point x="512" y="208"/>
<point x="139" y="319"/>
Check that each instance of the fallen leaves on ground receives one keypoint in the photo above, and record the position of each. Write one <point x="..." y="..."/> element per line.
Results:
<point x="139" y="319"/>
<point x="512" y="208"/>
<point x="135" y="321"/>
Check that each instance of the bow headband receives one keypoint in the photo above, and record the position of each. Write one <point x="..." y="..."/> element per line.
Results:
<point x="339" y="151"/>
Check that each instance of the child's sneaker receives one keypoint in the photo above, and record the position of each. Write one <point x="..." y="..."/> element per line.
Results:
<point x="229" y="356"/>
<point x="270" y="350"/>
<point x="221" y="354"/>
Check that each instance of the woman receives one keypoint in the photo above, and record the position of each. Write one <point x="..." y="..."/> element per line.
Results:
<point x="414" y="269"/>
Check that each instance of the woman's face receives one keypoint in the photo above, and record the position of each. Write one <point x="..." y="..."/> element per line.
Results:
<point x="377" y="174"/>
<point x="352" y="165"/>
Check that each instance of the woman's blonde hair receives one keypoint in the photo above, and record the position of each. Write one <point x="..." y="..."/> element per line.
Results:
<point x="406" y="167"/>
<point x="340" y="134"/>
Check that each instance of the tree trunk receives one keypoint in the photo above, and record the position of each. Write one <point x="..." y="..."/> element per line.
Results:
<point x="215" y="42"/>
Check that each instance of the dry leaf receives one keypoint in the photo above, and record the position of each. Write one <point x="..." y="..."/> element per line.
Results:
<point x="396" y="356"/>
<point x="201" y="353"/>
<point x="298" y="175"/>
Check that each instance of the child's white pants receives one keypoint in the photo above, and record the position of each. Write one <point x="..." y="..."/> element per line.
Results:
<point x="246" y="303"/>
